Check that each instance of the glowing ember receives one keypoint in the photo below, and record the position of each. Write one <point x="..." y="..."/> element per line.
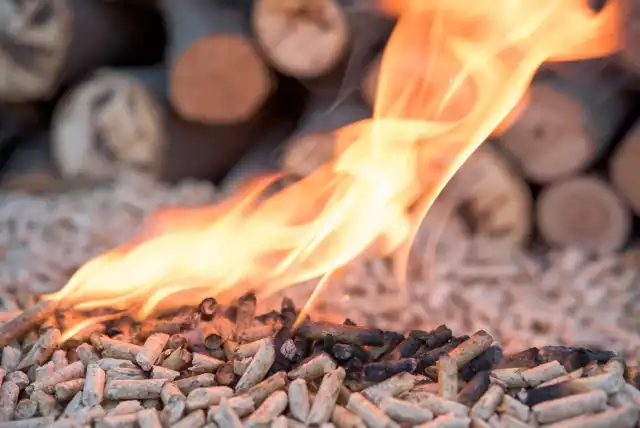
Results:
<point x="425" y="125"/>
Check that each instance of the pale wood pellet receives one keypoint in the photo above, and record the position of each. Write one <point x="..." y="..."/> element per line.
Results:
<point x="438" y="405"/>
<point x="118" y="421"/>
<point x="620" y="418"/>
<point x="299" y="399"/>
<point x="65" y="391"/>
<point x="243" y="405"/>
<point x="226" y="417"/>
<point x="261" y="391"/>
<point x="447" y="421"/>
<point x="260" y="365"/>
<point x="148" y="418"/>
<point x="201" y="363"/>
<point x="325" y="399"/>
<point x="9" y="393"/>
<point x="202" y="398"/>
<point x="610" y="383"/>
<point x="471" y="348"/>
<point x="488" y="403"/>
<point x="395" y="385"/>
<point x="343" y="418"/>
<point x="158" y="372"/>
<point x="569" y="407"/>
<point x="134" y="389"/>
<point x="195" y="419"/>
<point x="87" y="354"/>
<point x="372" y="416"/>
<point x="125" y="408"/>
<point x="515" y="408"/>
<point x="174" y="400"/>
<point x="25" y="409"/>
<point x="405" y="412"/>
<point x="45" y="371"/>
<point x="188" y="384"/>
<point x="271" y="408"/>
<point x="125" y="373"/>
<point x="448" y="377"/>
<point x="153" y="346"/>
<point x="94" y="385"/>
<point x="543" y="373"/>
<point x="47" y="404"/>
<point x="314" y="368"/>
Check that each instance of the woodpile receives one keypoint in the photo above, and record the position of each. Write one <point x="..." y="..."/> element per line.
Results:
<point x="195" y="89"/>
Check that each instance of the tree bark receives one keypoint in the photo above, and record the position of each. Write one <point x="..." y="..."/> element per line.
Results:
<point x="30" y="168"/>
<point x="583" y="212"/>
<point x="51" y="43"/>
<point x="121" y="118"/>
<point x="217" y="74"/>
<point x="565" y="127"/>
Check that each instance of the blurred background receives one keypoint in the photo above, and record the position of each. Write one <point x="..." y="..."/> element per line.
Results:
<point x="111" y="109"/>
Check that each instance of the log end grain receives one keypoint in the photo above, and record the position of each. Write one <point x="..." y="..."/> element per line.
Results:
<point x="220" y="79"/>
<point x="302" y="38"/>
<point x="33" y="47"/>
<point x="583" y="212"/>
<point x="623" y="169"/>
<point x="492" y="197"/>
<point x="105" y="124"/>
<point x="551" y="139"/>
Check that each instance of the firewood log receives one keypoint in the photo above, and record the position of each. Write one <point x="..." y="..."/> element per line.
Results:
<point x="30" y="168"/>
<point x="326" y="44"/>
<point x="50" y="43"/>
<point x="584" y="212"/>
<point x="121" y="118"/>
<point x="218" y="75"/>
<point x="493" y="198"/>
<point x="624" y="168"/>
<point x="565" y="127"/>
<point x="314" y="143"/>
<point x="630" y="55"/>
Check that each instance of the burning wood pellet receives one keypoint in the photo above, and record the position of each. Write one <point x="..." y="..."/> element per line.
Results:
<point x="26" y="321"/>
<point x="162" y="373"/>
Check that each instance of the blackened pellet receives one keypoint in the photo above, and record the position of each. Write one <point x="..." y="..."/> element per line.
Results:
<point x="225" y="374"/>
<point x="474" y="389"/>
<point x="407" y="348"/>
<point x="390" y="339"/>
<point x="342" y="333"/>
<point x="434" y="338"/>
<point x="546" y="393"/>
<point x="523" y="359"/>
<point x="431" y="357"/>
<point x="485" y="361"/>
<point x="345" y="352"/>
<point x="377" y="372"/>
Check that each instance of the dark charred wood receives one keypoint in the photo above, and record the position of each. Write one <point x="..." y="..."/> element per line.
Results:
<point x="433" y="339"/>
<point x="475" y="388"/>
<point x="345" y="352"/>
<point x="207" y="308"/>
<point x="488" y="360"/>
<point x="523" y="359"/>
<point x="342" y="333"/>
<point x="377" y="372"/>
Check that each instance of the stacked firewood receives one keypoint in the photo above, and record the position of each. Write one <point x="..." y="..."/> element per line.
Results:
<point x="228" y="367"/>
<point x="187" y="88"/>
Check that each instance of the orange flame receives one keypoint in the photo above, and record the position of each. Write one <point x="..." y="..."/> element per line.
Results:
<point x="425" y="125"/>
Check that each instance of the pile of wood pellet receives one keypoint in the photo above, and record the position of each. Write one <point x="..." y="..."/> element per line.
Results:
<point x="224" y="366"/>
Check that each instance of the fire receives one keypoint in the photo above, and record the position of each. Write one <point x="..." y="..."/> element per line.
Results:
<point x="425" y="125"/>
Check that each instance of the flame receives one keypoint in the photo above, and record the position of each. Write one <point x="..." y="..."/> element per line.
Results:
<point x="424" y="126"/>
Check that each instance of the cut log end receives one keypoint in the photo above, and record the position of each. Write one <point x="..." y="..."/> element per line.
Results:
<point x="583" y="212"/>
<point x="624" y="171"/>
<point x="492" y="197"/>
<point x="302" y="38"/>
<point x="208" y="90"/>
<point x="106" y="124"/>
<point x="551" y="139"/>
<point x="630" y="53"/>
<point x="36" y="36"/>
